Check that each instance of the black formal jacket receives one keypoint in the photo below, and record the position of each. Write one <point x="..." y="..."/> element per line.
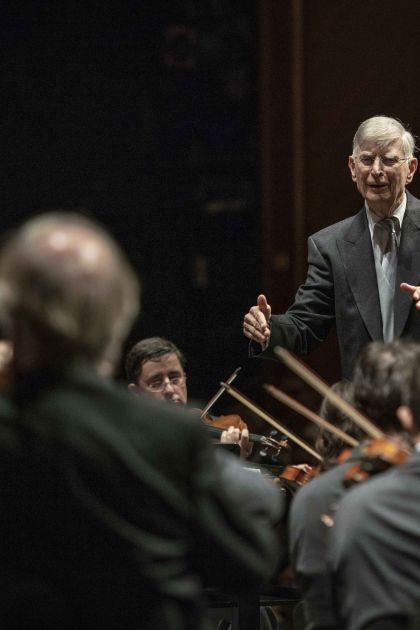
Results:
<point x="120" y="507"/>
<point x="341" y="288"/>
<point x="374" y="551"/>
<point x="310" y="511"/>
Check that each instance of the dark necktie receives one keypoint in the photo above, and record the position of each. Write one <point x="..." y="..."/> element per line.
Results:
<point x="386" y="267"/>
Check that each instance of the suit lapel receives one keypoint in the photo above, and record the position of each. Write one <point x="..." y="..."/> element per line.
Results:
<point x="408" y="269"/>
<point x="356" y="252"/>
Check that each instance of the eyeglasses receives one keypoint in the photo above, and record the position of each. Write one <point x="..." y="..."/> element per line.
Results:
<point x="159" y="384"/>
<point x="387" y="162"/>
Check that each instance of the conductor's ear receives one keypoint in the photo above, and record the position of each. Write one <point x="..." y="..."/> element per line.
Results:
<point x="352" y="167"/>
<point x="412" y="167"/>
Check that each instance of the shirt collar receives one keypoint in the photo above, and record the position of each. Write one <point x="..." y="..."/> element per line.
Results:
<point x="398" y="212"/>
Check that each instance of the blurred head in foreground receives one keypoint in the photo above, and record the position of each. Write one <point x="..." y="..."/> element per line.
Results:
<point x="67" y="293"/>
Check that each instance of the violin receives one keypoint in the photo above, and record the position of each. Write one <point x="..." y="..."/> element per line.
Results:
<point x="294" y="476"/>
<point x="300" y="474"/>
<point x="268" y="418"/>
<point x="222" y="423"/>
<point x="375" y="457"/>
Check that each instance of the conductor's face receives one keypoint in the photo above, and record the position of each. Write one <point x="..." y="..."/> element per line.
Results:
<point x="381" y="175"/>
<point x="163" y="378"/>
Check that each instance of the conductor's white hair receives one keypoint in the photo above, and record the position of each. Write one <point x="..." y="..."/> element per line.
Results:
<point x="383" y="131"/>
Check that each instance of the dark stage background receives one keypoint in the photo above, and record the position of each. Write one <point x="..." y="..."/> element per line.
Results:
<point x="210" y="137"/>
<point x="143" y="115"/>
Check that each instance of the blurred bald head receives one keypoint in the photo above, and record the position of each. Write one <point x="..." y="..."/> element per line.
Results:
<point x="67" y="293"/>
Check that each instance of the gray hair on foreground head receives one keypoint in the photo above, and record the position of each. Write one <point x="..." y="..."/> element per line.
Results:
<point x="383" y="131"/>
<point x="66" y="292"/>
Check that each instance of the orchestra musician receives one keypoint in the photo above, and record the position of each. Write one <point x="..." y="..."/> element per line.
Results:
<point x="355" y="265"/>
<point x="377" y="390"/>
<point x="113" y="510"/>
<point x="306" y="530"/>
<point x="328" y="444"/>
<point x="374" y="549"/>
<point x="156" y="367"/>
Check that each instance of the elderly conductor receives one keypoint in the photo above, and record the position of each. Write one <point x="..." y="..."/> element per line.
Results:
<point x="363" y="272"/>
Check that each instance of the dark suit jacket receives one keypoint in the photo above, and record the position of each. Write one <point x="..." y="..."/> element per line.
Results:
<point x="308" y="538"/>
<point x="121" y="506"/>
<point x="374" y="551"/>
<point x="341" y="288"/>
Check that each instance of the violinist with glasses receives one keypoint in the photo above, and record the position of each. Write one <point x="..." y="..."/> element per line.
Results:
<point x="156" y="367"/>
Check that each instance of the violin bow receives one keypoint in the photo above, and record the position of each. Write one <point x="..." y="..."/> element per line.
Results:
<point x="219" y="393"/>
<point x="312" y="379"/>
<point x="265" y="416"/>
<point x="284" y="398"/>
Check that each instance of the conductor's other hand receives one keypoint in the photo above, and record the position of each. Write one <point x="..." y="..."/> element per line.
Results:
<point x="413" y="291"/>
<point x="256" y="322"/>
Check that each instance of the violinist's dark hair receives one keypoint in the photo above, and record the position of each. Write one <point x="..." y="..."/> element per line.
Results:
<point x="328" y="445"/>
<point x="383" y="373"/>
<point x="150" y="349"/>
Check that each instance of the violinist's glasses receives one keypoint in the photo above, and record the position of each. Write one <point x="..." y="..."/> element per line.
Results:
<point x="159" y="385"/>
<point x="386" y="161"/>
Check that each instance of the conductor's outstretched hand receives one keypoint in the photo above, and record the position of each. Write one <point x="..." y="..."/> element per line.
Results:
<point x="414" y="291"/>
<point x="256" y="321"/>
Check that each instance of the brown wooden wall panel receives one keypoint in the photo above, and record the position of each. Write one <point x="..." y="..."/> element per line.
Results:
<point x="355" y="59"/>
<point x="361" y="59"/>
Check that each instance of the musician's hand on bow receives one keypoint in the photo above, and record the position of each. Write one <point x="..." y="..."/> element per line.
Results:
<point x="414" y="291"/>
<point x="235" y="436"/>
<point x="256" y="321"/>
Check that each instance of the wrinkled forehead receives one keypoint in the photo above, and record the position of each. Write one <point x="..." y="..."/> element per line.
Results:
<point x="380" y="147"/>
